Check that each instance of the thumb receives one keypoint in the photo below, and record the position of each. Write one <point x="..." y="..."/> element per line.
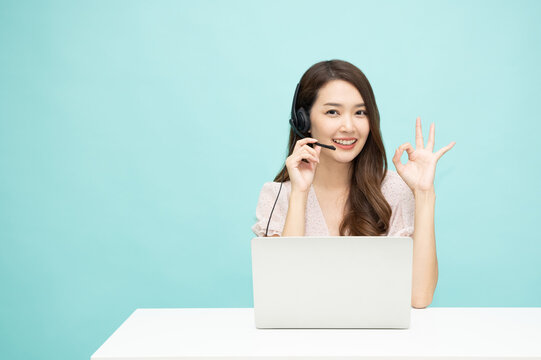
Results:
<point x="396" y="160"/>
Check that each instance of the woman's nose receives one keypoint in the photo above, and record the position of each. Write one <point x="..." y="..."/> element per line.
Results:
<point x="347" y="123"/>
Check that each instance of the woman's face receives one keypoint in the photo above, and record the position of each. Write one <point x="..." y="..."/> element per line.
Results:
<point x="339" y="113"/>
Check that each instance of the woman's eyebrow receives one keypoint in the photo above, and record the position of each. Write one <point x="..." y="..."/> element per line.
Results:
<point x="339" y="105"/>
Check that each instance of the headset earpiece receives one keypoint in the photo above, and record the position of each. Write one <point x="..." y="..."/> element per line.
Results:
<point x="303" y="121"/>
<point x="300" y="122"/>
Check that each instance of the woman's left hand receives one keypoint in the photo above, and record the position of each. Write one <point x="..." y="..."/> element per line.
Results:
<point x="418" y="173"/>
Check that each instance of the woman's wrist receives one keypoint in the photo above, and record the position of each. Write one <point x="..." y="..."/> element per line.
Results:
<point x="298" y="195"/>
<point x="294" y="225"/>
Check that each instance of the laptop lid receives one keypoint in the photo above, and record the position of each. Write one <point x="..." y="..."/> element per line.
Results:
<point x="332" y="281"/>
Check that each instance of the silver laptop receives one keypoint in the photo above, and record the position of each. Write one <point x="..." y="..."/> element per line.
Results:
<point x="332" y="281"/>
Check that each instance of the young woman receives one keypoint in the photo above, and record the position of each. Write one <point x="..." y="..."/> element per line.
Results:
<point x="349" y="191"/>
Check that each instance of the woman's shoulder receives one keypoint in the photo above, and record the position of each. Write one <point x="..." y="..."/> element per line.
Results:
<point x="274" y="186"/>
<point x="394" y="188"/>
<point x="271" y="208"/>
<point x="270" y="190"/>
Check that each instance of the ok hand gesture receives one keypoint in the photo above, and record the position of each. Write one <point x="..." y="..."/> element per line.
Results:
<point x="418" y="173"/>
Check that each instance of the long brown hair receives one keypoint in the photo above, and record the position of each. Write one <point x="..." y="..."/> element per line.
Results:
<point x="369" y="212"/>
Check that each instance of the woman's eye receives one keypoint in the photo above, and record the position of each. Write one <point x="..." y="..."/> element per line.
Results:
<point x="360" y="112"/>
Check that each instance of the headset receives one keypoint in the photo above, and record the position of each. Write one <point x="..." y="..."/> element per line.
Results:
<point x="300" y="122"/>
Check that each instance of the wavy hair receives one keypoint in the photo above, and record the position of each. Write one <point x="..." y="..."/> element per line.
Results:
<point x="369" y="212"/>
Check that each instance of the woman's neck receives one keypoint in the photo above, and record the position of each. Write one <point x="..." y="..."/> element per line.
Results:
<point x="333" y="176"/>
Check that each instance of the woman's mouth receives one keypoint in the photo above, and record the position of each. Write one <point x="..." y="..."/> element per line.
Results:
<point x="345" y="144"/>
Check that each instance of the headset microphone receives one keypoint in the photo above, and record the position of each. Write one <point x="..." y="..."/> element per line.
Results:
<point x="302" y="136"/>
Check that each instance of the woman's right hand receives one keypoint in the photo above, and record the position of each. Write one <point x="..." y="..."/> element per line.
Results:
<point x="301" y="174"/>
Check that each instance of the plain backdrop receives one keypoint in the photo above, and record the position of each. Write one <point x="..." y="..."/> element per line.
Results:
<point x="135" y="137"/>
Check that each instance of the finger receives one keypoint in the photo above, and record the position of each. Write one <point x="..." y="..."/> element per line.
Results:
<point x="430" y="143"/>
<point x="409" y="149"/>
<point x="308" y="157"/>
<point x="444" y="149"/>
<point x="396" y="160"/>
<point x="304" y="141"/>
<point x="309" y="153"/>
<point x="419" y="142"/>
<point x="309" y="149"/>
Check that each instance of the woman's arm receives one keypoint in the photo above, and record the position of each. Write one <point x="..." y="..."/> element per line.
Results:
<point x="425" y="260"/>
<point x="294" y="225"/>
<point x="418" y="173"/>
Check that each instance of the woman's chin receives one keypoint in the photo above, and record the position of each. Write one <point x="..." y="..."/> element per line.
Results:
<point x="345" y="158"/>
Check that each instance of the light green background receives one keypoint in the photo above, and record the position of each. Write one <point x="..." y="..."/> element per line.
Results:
<point x="135" y="137"/>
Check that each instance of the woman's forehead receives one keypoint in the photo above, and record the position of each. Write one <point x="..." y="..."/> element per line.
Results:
<point x="339" y="92"/>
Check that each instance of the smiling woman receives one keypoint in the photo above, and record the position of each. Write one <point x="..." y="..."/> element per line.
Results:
<point x="347" y="181"/>
<point x="347" y="190"/>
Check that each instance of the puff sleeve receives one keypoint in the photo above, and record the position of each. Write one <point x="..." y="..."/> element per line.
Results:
<point x="267" y="197"/>
<point x="403" y="210"/>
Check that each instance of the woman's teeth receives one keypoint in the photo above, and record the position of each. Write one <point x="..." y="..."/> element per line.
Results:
<point x="345" y="142"/>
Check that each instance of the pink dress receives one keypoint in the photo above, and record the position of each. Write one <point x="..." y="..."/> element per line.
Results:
<point x="396" y="192"/>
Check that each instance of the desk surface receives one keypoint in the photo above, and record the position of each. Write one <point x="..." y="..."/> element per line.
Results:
<point x="434" y="333"/>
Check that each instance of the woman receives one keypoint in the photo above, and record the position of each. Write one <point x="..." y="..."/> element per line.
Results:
<point x="349" y="191"/>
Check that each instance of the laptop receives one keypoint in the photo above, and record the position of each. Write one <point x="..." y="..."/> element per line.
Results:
<point x="332" y="281"/>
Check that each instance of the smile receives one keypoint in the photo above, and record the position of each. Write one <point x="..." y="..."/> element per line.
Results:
<point x="345" y="142"/>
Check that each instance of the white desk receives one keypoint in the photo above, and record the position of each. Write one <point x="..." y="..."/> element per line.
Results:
<point x="230" y="333"/>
